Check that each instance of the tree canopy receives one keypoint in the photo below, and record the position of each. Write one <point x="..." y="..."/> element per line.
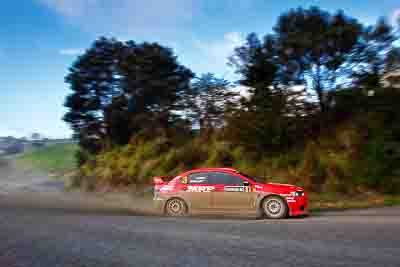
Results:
<point x="312" y="71"/>
<point x="121" y="88"/>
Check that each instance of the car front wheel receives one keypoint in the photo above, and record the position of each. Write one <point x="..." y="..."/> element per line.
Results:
<point x="275" y="207"/>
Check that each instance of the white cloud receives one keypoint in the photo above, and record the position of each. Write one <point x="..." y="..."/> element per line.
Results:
<point x="71" y="8"/>
<point x="395" y="18"/>
<point x="71" y="52"/>
<point x="233" y="38"/>
<point x="217" y="52"/>
<point x="125" y="17"/>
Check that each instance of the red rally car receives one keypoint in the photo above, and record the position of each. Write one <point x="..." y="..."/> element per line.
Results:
<point x="227" y="190"/>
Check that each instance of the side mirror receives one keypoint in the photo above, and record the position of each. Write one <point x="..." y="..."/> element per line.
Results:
<point x="246" y="183"/>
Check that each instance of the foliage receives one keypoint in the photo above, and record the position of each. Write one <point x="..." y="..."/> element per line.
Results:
<point x="93" y="80"/>
<point x="392" y="60"/>
<point x="118" y="88"/>
<point x="54" y="158"/>
<point x="375" y="55"/>
<point x="316" y="46"/>
<point x="155" y="83"/>
<point x="342" y="161"/>
<point x="318" y="110"/>
<point x="207" y="101"/>
<point x="271" y="118"/>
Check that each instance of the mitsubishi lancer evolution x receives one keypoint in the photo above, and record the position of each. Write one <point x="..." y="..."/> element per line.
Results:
<point x="227" y="190"/>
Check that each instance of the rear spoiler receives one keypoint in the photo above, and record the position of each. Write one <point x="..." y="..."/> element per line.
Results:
<point x="159" y="181"/>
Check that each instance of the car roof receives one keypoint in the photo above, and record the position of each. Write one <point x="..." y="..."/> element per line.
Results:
<point x="214" y="169"/>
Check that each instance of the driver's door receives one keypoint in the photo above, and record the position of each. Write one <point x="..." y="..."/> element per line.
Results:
<point x="231" y="192"/>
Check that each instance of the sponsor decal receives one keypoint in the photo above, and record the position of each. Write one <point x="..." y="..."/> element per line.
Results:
<point x="290" y="199"/>
<point x="166" y="188"/>
<point x="258" y="188"/>
<point x="200" y="188"/>
<point x="237" y="188"/>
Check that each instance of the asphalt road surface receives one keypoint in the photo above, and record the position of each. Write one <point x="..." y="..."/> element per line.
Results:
<point x="33" y="235"/>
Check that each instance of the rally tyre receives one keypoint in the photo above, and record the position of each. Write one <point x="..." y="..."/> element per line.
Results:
<point x="176" y="207"/>
<point x="275" y="207"/>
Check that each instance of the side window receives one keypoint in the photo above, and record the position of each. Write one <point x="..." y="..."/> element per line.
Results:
<point x="226" y="178"/>
<point x="199" y="178"/>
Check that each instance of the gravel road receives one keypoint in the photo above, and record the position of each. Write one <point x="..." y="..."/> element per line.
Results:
<point x="33" y="235"/>
<point x="14" y="178"/>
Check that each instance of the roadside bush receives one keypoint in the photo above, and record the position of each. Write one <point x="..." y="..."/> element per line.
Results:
<point x="355" y="157"/>
<point x="379" y="168"/>
<point x="220" y="154"/>
<point x="312" y="171"/>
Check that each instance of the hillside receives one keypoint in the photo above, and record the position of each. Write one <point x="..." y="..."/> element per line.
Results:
<point x="347" y="159"/>
<point x="58" y="159"/>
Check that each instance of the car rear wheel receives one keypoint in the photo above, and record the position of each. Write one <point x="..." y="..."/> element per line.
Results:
<point x="275" y="207"/>
<point x="176" y="207"/>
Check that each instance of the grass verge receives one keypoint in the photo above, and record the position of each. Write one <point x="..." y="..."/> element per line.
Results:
<point x="335" y="201"/>
<point x="56" y="159"/>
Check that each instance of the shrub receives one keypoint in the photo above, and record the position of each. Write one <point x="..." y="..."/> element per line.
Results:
<point x="356" y="157"/>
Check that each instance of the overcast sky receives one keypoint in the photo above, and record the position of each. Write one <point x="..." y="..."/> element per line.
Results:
<point x="41" y="38"/>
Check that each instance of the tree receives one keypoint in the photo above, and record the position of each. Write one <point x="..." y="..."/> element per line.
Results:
<point x="36" y="136"/>
<point x="154" y="81"/>
<point x="94" y="81"/>
<point x="295" y="71"/>
<point x="207" y="101"/>
<point x="392" y="60"/>
<point x="119" y="89"/>
<point x="255" y="62"/>
<point x="375" y="56"/>
<point x="268" y="118"/>
<point x="318" y="45"/>
<point x="117" y="119"/>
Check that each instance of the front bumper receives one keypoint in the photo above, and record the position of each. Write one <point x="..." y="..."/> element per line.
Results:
<point x="298" y="206"/>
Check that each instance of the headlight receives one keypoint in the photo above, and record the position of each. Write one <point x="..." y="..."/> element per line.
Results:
<point x="297" y="193"/>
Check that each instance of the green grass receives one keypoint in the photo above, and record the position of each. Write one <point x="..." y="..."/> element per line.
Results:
<point x="58" y="159"/>
<point x="392" y="201"/>
<point x="334" y="201"/>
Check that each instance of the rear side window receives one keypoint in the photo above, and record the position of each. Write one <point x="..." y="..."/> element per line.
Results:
<point x="226" y="178"/>
<point x="200" y="178"/>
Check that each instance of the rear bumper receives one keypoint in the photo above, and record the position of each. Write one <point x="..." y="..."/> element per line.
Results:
<point x="159" y="204"/>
